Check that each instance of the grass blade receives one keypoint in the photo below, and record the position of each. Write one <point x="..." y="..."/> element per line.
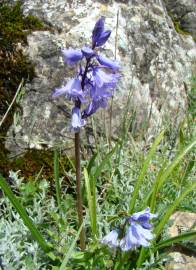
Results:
<point x="143" y="171"/>
<point x="91" y="163"/>
<point x="162" y="177"/>
<point x="152" y="195"/>
<point x="22" y="212"/>
<point x="169" y="212"/>
<point x="140" y="260"/>
<point x="69" y="252"/>
<point x="11" y="104"/>
<point x="175" y="163"/>
<point x="91" y="198"/>
<point x="176" y="239"/>
<point x="100" y="167"/>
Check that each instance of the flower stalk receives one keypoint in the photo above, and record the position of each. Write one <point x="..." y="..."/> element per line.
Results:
<point x="79" y="191"/>
<point x="56" y="177"/>
<point x="89" y="90"/>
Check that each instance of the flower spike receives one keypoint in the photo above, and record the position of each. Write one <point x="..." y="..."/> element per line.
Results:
<point x="94" y="83"/>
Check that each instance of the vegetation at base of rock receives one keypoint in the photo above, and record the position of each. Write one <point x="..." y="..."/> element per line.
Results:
<point x="192" y="99"/>
<point x="33" y="161"/>
<point x="114" y="182"/>
<point x="117" y="175"/>
<point x="14" y="65"/>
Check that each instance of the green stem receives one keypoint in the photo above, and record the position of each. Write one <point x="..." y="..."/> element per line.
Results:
<point x="56" y="177"/>
<point x="78" y="190"/>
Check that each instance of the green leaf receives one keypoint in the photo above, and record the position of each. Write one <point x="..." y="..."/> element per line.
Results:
<point x="100" y="167"/>
<point x="140" y="260"/>
<point x="161" y="178"/>
<point x="91" y="162"/>
<point x="176" y="239"/>
<point x="22" y="212"/>
<point x="153" y="192"/>
<point x="91" y="198"/>
<point x="143" y="171"/>
<point x="164" y="220"/>
<point x="69" y="252"/>
<point x="188" y="169"/>
<point x="170" y="210"/>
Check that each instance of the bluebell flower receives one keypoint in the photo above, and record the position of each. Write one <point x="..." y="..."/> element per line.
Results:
<point x="138" y="233"/>
<point x="72" y="56"/>
<point x="72" y="90"/>
<point x="143" y="218"/>
<point x="103" y="38"/>
<point x="76" y="121"/>
<point x="95" y="81"/>
<point x="135" y="236"/>
<point x="102" y="78"/>
<point x="96" y="103"/>
<point x="98" y="30"/>
<point x="88" y="52"/>
<point x="105" y="61"/>
<point x="111" y="239"/>
<point x="100" y="36"/>
<point x="104" y="92"/>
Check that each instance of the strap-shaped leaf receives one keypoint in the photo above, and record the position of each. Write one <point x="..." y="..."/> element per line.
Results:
<point x="23" y="214"/>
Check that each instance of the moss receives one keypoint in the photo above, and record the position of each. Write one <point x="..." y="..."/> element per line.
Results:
<point x="177" y="25"/>
<point x="14" y="66"/>
<point x="14" y="27"/>
<point x="33" y="162"/>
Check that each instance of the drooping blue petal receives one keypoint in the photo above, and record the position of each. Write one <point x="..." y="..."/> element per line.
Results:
<point x="112" y="64"/>
<point x="97" y="31"/>
<point x="72" y="90"/>
<point x="65" y="90"/>
<point x="72" y="56"/>
<point x="130" y="241"/>
<point x="103" y="38"/>
<point x="136" y="236"/>
<point x="143" y="218"/>
<point x="76" y="121"/>
<point x="102" y="78"/>
<point x="111" y="239"/>
<point x="87" y="52"/>
<point x="101" y="92"/>
<point x="146" y="225"/>
<point x="145" y="212"/>
<point x="95" y="104"/>
<point x="59" y="91"/>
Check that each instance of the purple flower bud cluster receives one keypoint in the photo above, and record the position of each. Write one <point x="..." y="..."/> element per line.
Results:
<point x="94" y="83"/>
<point x="138" y="233"/>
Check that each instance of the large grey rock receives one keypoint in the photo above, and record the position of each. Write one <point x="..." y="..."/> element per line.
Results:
<point x="181" y="262"/>
<point x="182" y="222"/>
<point x="185" y="12"/>
<point x="155" y="62"/>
